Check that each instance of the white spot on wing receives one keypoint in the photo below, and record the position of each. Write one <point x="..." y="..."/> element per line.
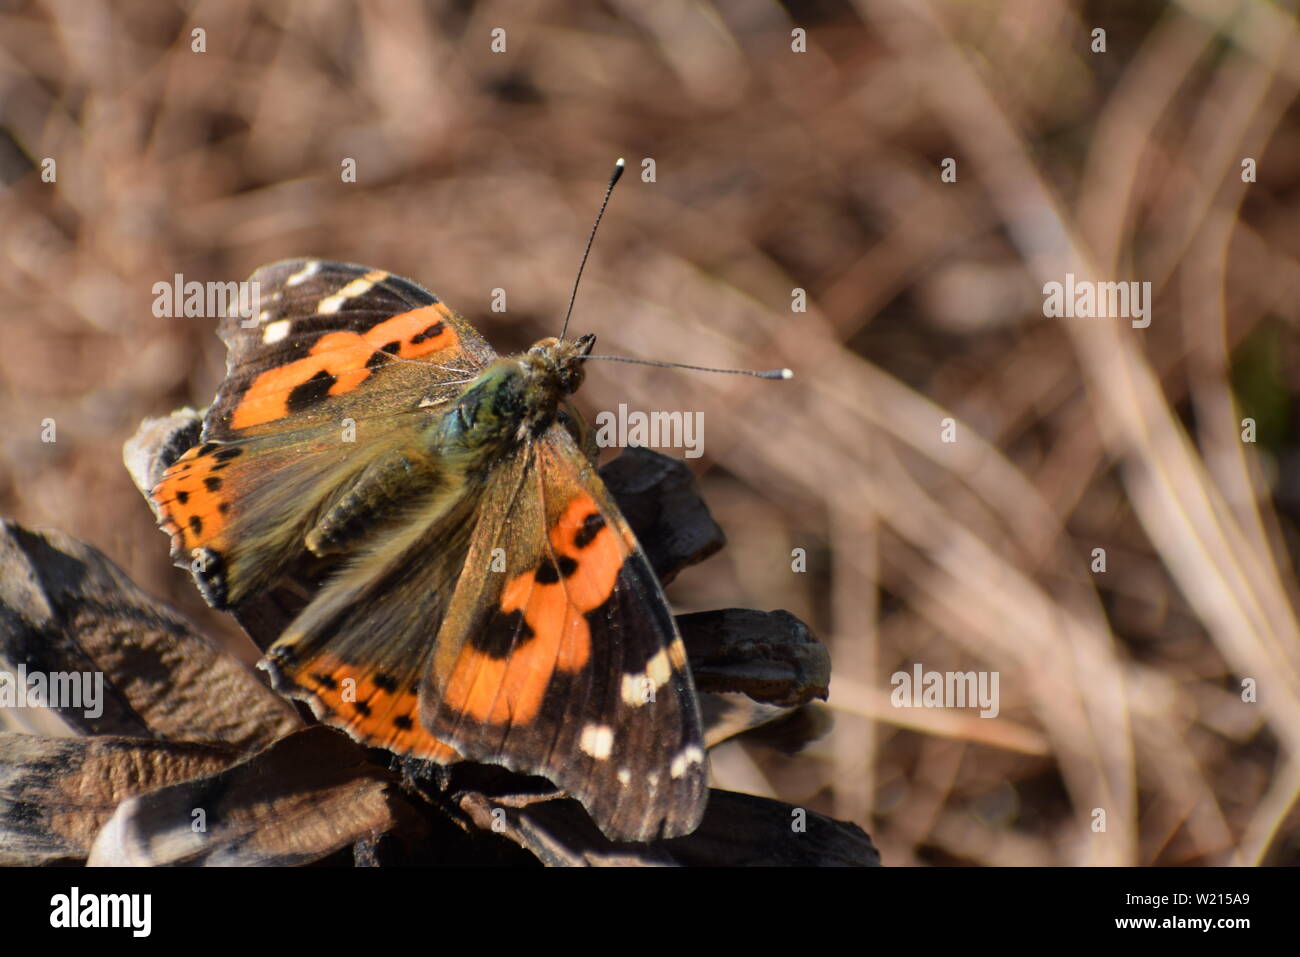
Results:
<point x="597" y="740"/>
<point x="276" y="331"/>
<point x="691" y="754"/>
<point x="659" y="669"/>
<point x="357" y="287"/>
<point x="303" y="274"/>
<point x="637" y="686"/>
<point x="634" y="690"/>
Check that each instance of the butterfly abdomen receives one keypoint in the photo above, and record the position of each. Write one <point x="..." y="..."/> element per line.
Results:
<point x="385" y="491"/>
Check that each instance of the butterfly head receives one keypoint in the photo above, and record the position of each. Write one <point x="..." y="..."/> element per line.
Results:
<point x="557" y="365"/>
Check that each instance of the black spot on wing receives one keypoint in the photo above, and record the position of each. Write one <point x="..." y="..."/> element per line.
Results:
<point x="310" y="393"/>
<point x="591" y="526"/>
<point x="501" y="635"/>
<point x="551" y="572"/>
<point x="433" y="332"/>
<point x="382" y="357"/>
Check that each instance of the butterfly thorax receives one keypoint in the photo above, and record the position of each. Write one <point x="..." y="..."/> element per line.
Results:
<point x="514" y="398"/>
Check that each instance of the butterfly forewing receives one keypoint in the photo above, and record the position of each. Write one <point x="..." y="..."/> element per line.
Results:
<point x="559" y="656"/>
<point x="335" y="341"/>
<point x="341" y="363"/>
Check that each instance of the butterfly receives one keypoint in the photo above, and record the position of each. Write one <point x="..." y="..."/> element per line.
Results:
<point x="482" y="598"/>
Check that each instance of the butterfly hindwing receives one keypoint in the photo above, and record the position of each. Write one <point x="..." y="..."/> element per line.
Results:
<point x="357" y="653"/>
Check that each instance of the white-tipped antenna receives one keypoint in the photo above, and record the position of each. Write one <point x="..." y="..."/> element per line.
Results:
<point x="618" y="171"/>
<point x="756" y="373"/>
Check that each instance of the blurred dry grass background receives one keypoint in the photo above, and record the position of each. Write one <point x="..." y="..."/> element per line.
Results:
<point x="775" y="170"/>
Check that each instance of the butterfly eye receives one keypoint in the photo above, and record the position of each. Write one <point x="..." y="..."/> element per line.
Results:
<point x="466" y="412"/>
<point x="571" y="378"/>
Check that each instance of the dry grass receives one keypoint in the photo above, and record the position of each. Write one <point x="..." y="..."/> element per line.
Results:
<point x="775" y="170"/>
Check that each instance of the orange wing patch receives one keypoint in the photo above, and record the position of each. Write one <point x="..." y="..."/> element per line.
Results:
<point x="553" y="600"/>
<point x="372" y="707"/>
<point x="341" y="361"/>
<point x="192" y="503"/>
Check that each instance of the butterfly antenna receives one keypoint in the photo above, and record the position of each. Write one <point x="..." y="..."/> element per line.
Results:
<point x="756" y="373"/>
<point x="618" y="171"/>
